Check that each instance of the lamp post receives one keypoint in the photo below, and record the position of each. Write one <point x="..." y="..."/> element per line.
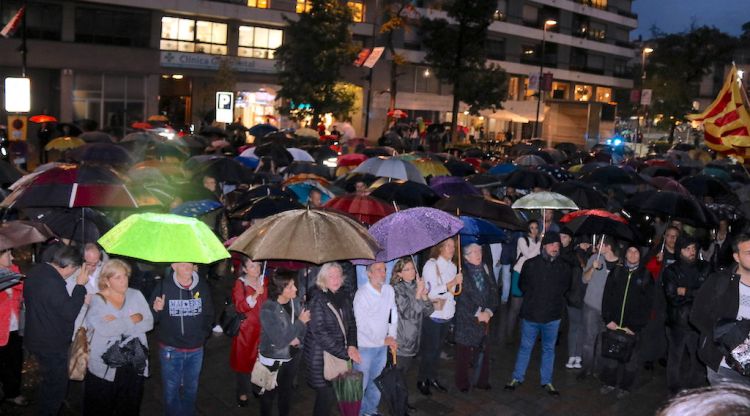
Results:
<point x="645" y="51"/>
<point x="547" y="23"/>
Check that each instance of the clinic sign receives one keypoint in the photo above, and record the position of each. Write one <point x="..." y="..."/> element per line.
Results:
<point x="224" y="107"/>
<point x="173" y="59"/>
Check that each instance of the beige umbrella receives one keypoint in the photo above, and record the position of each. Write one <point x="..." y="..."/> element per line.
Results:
<point x="315" y="236"/>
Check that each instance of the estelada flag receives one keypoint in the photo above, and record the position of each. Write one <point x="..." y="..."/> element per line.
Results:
<point x="13" y="24"/>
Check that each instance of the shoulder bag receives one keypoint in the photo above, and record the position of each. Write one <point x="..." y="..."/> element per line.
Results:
<point x="616" y="343"/>
<point x="334" y="366"/>
<point x="78" y="356"/>
<point x="230" y="319"/>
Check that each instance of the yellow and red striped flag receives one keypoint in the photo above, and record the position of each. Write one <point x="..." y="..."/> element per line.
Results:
<point x="13" y="24"/>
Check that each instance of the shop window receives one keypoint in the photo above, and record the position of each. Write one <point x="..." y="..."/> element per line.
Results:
<point x="603" y="94"/>
<point x="303" y="6"/>
<point x="188" y="35"/>
<point x="259" y="42"/>
<point x="560" y="90"/>
<point x="112" y="27"/>
<point x="583" y="92"/>
<point x="260" y="4"/>
<point x="113" y="101"/>
<point x="358" y="10"/>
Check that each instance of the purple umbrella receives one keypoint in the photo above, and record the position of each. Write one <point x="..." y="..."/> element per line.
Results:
<point x="446" y="186"/>
<point x="411" y="230"/>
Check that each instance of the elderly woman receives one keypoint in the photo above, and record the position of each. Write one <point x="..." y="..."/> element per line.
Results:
<point x="248" y="296"/>
<point x="283" y="325"/>
<point x="327" y="305"/>
<point x="441" y="277"/>
<point x="413" y="305"/>
<point x="474" y="308"/>
<point x="114" y="312"/>
<point x="11" y="341"/>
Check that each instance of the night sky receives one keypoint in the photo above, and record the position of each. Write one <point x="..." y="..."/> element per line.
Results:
<point x="677" y="15"/>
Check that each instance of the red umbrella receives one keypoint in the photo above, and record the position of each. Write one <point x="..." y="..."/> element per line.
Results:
<point x="42" y="118"/>
<point x="352" y="159"/>
<point x="141" y="125"/>
<point x="593" y="212"/>
<point x="364" y="208"/>
<point x="397" y="114"/>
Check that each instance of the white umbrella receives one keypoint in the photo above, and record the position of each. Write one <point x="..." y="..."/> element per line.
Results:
<point x="545" y="200"/>
<point x="391" y="167"/>
<point x="300" y="155"/>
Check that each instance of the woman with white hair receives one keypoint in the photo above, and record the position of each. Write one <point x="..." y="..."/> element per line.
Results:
<point x="330" y="310"/>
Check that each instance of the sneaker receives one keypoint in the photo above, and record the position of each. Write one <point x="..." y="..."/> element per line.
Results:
<point x="571" y="363"/>
<point x="621" y="394"/>
<point x="606" y="390"/>
<point x="577" y="363"/>
<point x="513" y="384"/>
<point x="217" y="329"/>
<point x="551" y="390"/>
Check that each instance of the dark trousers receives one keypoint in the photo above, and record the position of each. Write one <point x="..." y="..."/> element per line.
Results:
<point x="122" y="396"/>
<point x="618" y="374"/>
<point x="433" y="336"/>
<point x="11" y="363"/>
<point x="404" y="363"/>
<point x="684" y="371"/>
<point x="325" y="398"/>
<point x="467" y="357"/>
<point x="244" y="386"/>
<point x="53" y="386"/>
<point x="285" y="380"/>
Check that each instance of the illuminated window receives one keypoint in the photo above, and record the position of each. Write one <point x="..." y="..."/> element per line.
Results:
<point x="303" y="6"/>
<point x="259" y="42"/>
<point x="358" y="10"/>
<point x="188" y="35"/>
<point x="513" y="87"/>
<point x="527" y="92"/>
<point x="260" y="4"/>
<point x="603" y="94"/>
<point x="560" y="90"/>
<point x="583" y="92"/>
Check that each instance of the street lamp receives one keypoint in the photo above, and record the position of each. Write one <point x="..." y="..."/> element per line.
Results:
<point x="547" y="23"/>
<point x="644" y="52"/>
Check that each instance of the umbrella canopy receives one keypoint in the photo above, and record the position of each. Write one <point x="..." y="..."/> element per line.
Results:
<point x="725" y="212"/>
<point x="305" y="177"/>
<point x="164" y="238"/>
<point x="21" y="233"/>
<point x="351" y="159"/>
<point x="300" y="155"/>
<point x="424" y="227"/>
<point x="158" y="117"/>
<point x="84" y="225"/>
<point x="459" y="167"/>
<point x="315" y="236"/>
<point x="265" y="206"/>
<point x="390" y="167"/>
<point x="545" y="200"/>
<point x="502" y="169"/>
<point x="306" y="132"/>
<point x="96" y="137"/>
<point x="489" y="209"/>
<point x="558" y="173"/>
<point x="612" y="175"/>
<point x="529" y="179"/>
<point x="364" y="208"/>
<point x="483" y="180"/>
<point x="302" y="191"/>
<point x="8" y="173"/>
<point x="446" y="186"/>
<point x="42" y="118"/>
<point x="593" y="222"/>
<point x="406" y="193"/>
<point x="307" y="167"/>
<point x="64" y="143"/>
<point x="430" y="167"/>
<point x="222" y="168"/>
<point x="530" y="160"/>
<point x="705" y="185"/>
<point x="277" y="152"/>
<point x="102" y="153"/>
<point x="260" y="130"/>
<point x="479" y="231"/>
<point x="195" y="209"/>
<point x="670" y="204"/>
<point x="397" y="114"/>
<point x="393" y="389"/>
<point x="583" y="194"/>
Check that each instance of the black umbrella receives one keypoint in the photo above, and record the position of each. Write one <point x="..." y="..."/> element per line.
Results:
<point x="672" y="205"/>
<point x="435" y="128"/>
<point x="583" y="194"/>
<point x="569" y="148"/>
<point x="612" y="175"/>
<point x="556" y="172"/>
<point x="96" y="137"/>
<point x="243" y="196"/>
<point x="520" y="149"/>
<point x="211" y="131"/>
<point x="377" y="151"/>
<point x="705" y="185"/>
<point x="222" y="168"/>
<point x="102" y="153"/>
<point x="529" y="179"/>
<point x="307" y="167"/>
<point x="84" y="225"/>
<point x="68" y="129"/>
<point x="393" y="389"/>
<point x="407" y="193"/>
<point x="192" y="141"/>
<point x="276" y="152"/>
<point x="477" y="206"/>
<point x="260" y="130"/>
<point x="8" y="173"/>
<point x="725" y="212"/>
<point x="459" y="168"/>
<point x="266" y="206"/>
<point x="320" y="153"/>
<point x="594" y="225"/>
<point x="482" y="180"/>
<point x="654" y="171"/>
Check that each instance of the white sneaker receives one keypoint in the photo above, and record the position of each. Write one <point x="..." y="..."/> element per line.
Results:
<point x="217" y="329"/>
<point x="571" y="363"/>
<point x="577" y="362"/>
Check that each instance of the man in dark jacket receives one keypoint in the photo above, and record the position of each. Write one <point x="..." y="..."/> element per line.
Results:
<point x="544" y="281"/>
<point x="182" y="306"/>
<point x="50" y="317"/>
<point x="681" y="281"/>
<point x="724" y="297"/>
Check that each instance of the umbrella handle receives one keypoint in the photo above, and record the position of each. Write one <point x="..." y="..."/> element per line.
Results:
<point x="457" y="289"/>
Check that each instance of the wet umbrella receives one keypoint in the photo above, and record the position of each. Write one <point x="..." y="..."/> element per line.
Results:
<point x="530" y="160"/>
<point x="544" y="200"/>
<point x="406" y="193"/>
<point x="102" y="153"/>
<point x="141" y="137"/>
<point x="265" y="207"/>
<point x="96" y="137"/>
<point x="459" y="167"/>
<point x="195" y="209"/>
<point x="479" y="231"/>
<point x="315" y="236"/>
<point x="725" y="212"/>
<point x="372" y="152"/>
<point x="393" y="390"/>
<point x="446" y="186"/>
<point x="430" y="167"/>
<point x="594" y="222"/>
<point x="503" y="169"/>
<point x="64" y="143"/>
<point x="248" y="162"/>
<point x="654" y="171"/>
<point x="84" y="225"/>
<point x="389" y="167"/>
<point x="302" y="191"/>
<point x="670" y="204"/>
<point x="529" y="179"/>
<point x="612" y="175"/>
<point x="556" y="172"/>
<point x="211" y="131"/>
<point x="351" y="159"/>
<point x="306" y="132"/>
<point x="68" y="129"/>
<point x="192" y="142"/>
<point x="705" y="185"/>
<point x="8" y="173"/>
<point x="21" y="233"/>
<point x="222" y="168"/>
<point x="307" y="167"/>
<point x="583" y="194"/>
<point x="260" y="130"/>
<point x="489" y="209"/>
<point x="366" y="209"/>
<point x="306" y="177"/>
<point x="520" y="149"/>
<point x="277" y="152"/>
<point x="668" y="184"/>
<point x="42" y="118"/>
<point x="483" y="180"/>
<point x="349" y="181"/>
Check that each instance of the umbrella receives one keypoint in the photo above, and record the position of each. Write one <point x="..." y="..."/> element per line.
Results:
<point x="302" y="191"/>
<point x="529" y="179"/>
<point x="725" y="212"/>
<point x="397" y="114"/>
<point x="265" y="207"/>
<point x="544" y="200"/>
<point x="8" y="173"/>
<point x="668" y="184"/>
<point x="305" y="177"/>
<point x="164" y="238"/>
<point x="654" y="171"/>
<point x="583" y="194"/>
<point x="459" y="167"/>
<point x="84" y="225"/>
<point x="96" y="137"/>
<point x="705" y="185"/>
<point x="260" y="130"/>
<point x="142" y="137"/>
<point x="558" y="173"/>
<point x="479" y="231"/>
<point x="222" y="168"/>
<point x="489" y="209"/>
<point x="364" y="208"/>
<point x="670" y="204"/>
<point x="168" y="169"/>
<point x="393" y="389"/>
<point x="593" y="222"/>
<point x="351" y="159"/>
<point x="430" y="167"/>
<point x="307" y="167"/>
<point x="612" y="175"/>
<point x="503" y="168"/>
<point x="277" y="152"/>
<point x="446" y="186"/>
<point x="248" y="162"/>
<point x="300" y="155"/>
<point x="406" y="193"/>
<point x="483" y="180"/>
<point x="212" y="132"/>
<point x="349" y="392"/>
<point x="306" y="132"/>
<point x="42" y="118"/>
<point x="142" y="125"/>
<point x="68" y="129"/>
<point x="315" y="236"/>
<point x="20" y="233"/>
<point x="391" y="167"/>
<point x="102" y="153"/>
<point x="195" y="209"/>
<point x="383" y="151"/>
<point x="598" y="213"/>
<point x="64" y="143"/>
<point x="424" y="227"/>
<point x="530" y="160"/>
<point x="158" y="117"/>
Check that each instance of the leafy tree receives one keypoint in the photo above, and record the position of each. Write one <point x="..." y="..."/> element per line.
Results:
<point x="316" y="47"/>
<point x="456" y="51"/>
<point x="677" y="66"/>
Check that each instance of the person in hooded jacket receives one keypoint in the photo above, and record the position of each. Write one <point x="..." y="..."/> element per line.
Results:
<point x="183" y="309"/>
<point x="626" y="304"/>
<point x="682" y="279"/>
<point x="574" y="298"/>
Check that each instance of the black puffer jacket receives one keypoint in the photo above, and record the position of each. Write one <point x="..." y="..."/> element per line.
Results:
<point x="682" y="274"/>
<point x="324" y="333"/>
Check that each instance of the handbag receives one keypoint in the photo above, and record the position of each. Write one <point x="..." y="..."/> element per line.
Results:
<point x="616" y="343"/>
<point x="334" y="366"/>
<point x="263" y="377"/>
<point x="78" y="360"/>
<point x="230" y="319"/>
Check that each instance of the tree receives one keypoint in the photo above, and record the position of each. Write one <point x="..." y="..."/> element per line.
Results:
<point x="456" y="51"/>
<point x="316" y="47"/>
<point x="396" y="20"/>
<point x="677" y="66"/>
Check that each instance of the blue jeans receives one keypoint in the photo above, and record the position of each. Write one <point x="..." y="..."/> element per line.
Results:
<point x="505" y="275"/>
<point x="373" y="362"/>
<point x="529" y="332"/>
<point x="180" y="372"/>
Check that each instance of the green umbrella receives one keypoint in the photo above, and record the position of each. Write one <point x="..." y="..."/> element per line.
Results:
<point x="164" y="238"/>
